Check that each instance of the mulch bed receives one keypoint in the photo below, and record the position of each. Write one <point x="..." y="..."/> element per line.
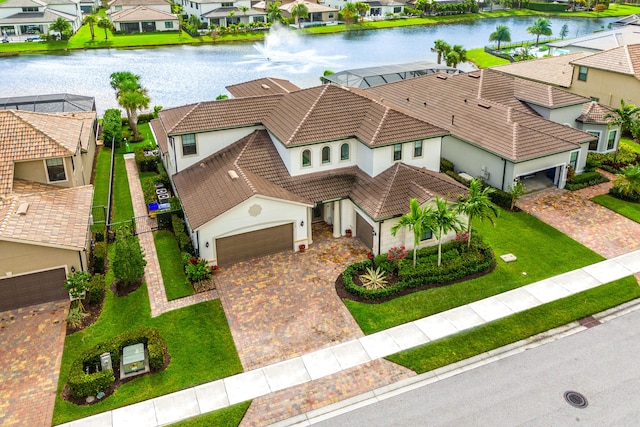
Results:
<point x="344" y="294"/>
<point x="204" y="285"/>
<point x="93" y="312"/>
<point x="121" y="290"/>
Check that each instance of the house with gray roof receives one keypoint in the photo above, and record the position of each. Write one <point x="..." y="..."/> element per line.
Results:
<point x="45" y="203"/>
<point x="24" y="17"/>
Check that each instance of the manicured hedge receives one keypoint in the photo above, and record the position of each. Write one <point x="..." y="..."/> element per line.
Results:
<point x="446" y="165"/>
<point x="184" y="241"/>
<point x="585" y="180"/>
<point x="82" y="384"/>
<point x="146" y="163"/>
<point x="457" y="263"/>
<point x="626" y="197"/>
<point x="547" y="7"/>
<point x="112" y="127"/>
<point x="99" y="255"/>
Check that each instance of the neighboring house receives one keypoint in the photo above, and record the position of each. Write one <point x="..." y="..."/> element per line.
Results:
<point x="627" y="20"/>
<point x="597" y="42"/>
<point x="118" y="5"/>
<point x="606" y="76"/>
<point x="50" y="103"/>
<point x="89" y="6"/>
<point x="262" y="86"/>
<point x="377" y="8"/>
<point x="22" y="17"/>
<point x="501" y="128"/>
<point x="317" y="12"/>
<point x="593" y="120"/>
<point x="218" y="12"/>
<point x="254" y="173"/>
<point x="142" y="19"/>
<point x="45" y="203"/>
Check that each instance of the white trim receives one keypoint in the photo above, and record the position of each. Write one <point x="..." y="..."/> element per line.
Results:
<point x="64" y="166"/>
<point x="36" y="271"/>
<point x="47" y="245"/>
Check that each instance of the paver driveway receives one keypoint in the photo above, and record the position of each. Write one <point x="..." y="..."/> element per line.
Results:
<point x="31" y="344"/>
<point x="284" y="305"/>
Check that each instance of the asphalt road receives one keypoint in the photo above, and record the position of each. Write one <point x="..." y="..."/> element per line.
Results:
<point x="601" y="363"/>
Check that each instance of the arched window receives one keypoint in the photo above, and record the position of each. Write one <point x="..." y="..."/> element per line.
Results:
<point x="344" y="151"/>
<point x="326" y="154"/>
<point x="306" y="158"/>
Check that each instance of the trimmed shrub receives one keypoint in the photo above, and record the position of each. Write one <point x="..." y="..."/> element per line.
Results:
<point x="585" y="180"/>
<point x="99" y="256"/>
<point x="184" y="241"/>
<point x="446" y="165"/>
<point x="146" y="163"/>
<point x="501" y="198"/>
<point x="547" y="7"/>
<point x="82" y="384"/>
<point x="112" y="127"/>
<point x="626" y="197"/>
<point x="96" y="288"/>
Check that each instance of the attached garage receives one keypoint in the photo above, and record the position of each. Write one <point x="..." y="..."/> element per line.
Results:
<point x="364" y="231"/>
<point x="35" y="288"/>
<point x="254" y="244"/>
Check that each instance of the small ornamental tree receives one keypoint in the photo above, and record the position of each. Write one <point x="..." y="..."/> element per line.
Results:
<point x="516" y="191"/>
<point x="77" y="284"/>
<point x="128" y="262"/>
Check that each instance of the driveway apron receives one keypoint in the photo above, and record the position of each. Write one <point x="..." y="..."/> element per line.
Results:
<point x="31" y="343"/>
<point x="285" y="305"/>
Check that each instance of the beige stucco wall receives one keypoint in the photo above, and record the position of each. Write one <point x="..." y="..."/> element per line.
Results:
<point x="607" y="86"/>
<point x="77" y="175"/>
<point x="18" y="258"/>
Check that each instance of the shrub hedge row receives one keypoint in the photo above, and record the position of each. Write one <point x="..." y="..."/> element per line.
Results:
<point x="82" y="384"/>
<point x="184" y="242"/>
<point x="112" y="127"/>
<point x="626" y="197"/>
<point x="96" y="288"/>
<point x="457" y="263"/>
<point x="547" y="7"/>
<point x="585" y="180"/>
<point x="99" y="257"/>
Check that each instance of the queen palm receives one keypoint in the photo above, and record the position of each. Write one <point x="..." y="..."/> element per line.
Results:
<point x="417" y="221"/>
<point x="441" y="47"/>
<point x="105" y="24"/>
<point x="362" y="8"/>
<point x="457" y="55"/>
<point x="628" y="181"/>
<point x="542" y="26"/>
<point x="624" y="116"/>
<point x="443" y="220"/>
<point x="274" y="14"/>
<point x="298" y="11"/>
<point x="501" y="34"/>
<point x="476" y="204"/>
<point x="91" y="20"/>
<point x="348" y="11"/>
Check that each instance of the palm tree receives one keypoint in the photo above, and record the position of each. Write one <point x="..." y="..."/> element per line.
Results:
<point x="541" y="27"/>
<point x="623" y="116"/>
<point x="91" y="20"/>
<point x="274" y="14"/>
<point x="441" y="47"/>
<point x="501" y="34"/>
<point x="61" y="26"/>
<point x="244" y="9"/>
<point x="348" y="11"/>
<point x="476" y="204"/>
<point x="564" y="31"/>
<point x="105" y="24"/>
<point x="628" y="181"/>
<point x="417" y="221"/>
<point x="299" y="10"/>
<point x="443" y="220"/>
<point x="362" y="9"/>
<point x="456" y="56"/>
<point x="131" y="96"/>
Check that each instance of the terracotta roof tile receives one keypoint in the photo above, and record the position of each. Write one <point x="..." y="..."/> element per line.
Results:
<point x="593" y="112"/>
<point x="140" y="13"/>
<point x="624" y="60"/>
<point x="88" y="119"/>
<point x="554" y="70"/>
<point x="160" y="135"/>
<point x="261" y="87"/>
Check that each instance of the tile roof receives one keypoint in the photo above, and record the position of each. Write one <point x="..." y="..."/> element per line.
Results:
<point x="593" y="112"/>
<point x="602" y="40"/>
<point x="59" y="217"/>
<point x="88" y="119"/>
<point x="331" y="112"/>
<point x="26" y="135"/>
<point x="206" y="189"/>
<point x="160" y="135"/>
<point x="486" y="109"/>
<point x="141" y="13"/>
<point x="554" y="70"/>
<point x="263" y="86"/>
<point x="624" y="60"/>
<point x="139" y="3"/>
<point x="312" y="7"/>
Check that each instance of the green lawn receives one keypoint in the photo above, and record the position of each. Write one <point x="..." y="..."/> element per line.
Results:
<point x="631" y="144"/>
<point x="483" y="59"/>
<point x="175" y="282"/>
<point x="122" y="205"/>
<point x="516" y="327"/>
<point x="198" y="340"/>
<point x="101" y="187"/>
<point x="227" y="417"/>
<point x="626" y="209"/>
<point x="147" y="138"/>
<point x="542" y="252"/>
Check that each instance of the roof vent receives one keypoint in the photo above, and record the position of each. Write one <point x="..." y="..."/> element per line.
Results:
<point x="23" y="207"/>
<point x="475" y="76"/>
<point x="202" y="166"/>
<point x="265" y="87"/>
<point x="232" y="174"/>
<point x="484" y="104"/>
<point x="442" y="76"/>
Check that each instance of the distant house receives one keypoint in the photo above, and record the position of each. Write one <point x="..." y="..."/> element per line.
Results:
<point x="597" y="42"/>
<point x="627" y="20"/>
<point x="225" y="13"/>
<point x="25" y="17"/>
<point x="119" y="5"/>
<point x="45" y="203"/>
<point x="143" y="19"/>
<point x="317" y="12"/>
<point x="606" y="76"/>
<point x="377" y="8"/>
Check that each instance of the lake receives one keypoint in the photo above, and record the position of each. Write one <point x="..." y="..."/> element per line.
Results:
<point x="185" y="74"/>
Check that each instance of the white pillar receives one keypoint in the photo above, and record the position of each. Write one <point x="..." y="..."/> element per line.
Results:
<point x="309" y="229"/>
<point x="336" y="219"/>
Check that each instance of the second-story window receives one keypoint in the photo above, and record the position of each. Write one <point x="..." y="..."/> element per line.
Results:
<point x="417" y="149"/>
<point x="582" y="74"/>
<point x="397" y="152"/>
<point x="55" y="170"/>
<point x="189" y="144"/>
<point x="306" y="158"/>
<point x="344" y="151"/>
<point x="326" y="154"/>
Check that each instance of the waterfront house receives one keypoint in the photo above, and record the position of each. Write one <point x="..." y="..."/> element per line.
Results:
<point x="32" y="17"/>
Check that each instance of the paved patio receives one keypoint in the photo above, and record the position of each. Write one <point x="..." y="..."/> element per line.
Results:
<point x="31" y="344"/>
<point x="598" y="228"/>
<point x="285" y="305"/>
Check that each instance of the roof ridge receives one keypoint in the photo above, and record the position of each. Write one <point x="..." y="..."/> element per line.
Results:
<point x="383" y="199"/>
<point x="381" y="123"/>
<point x="236" y="165"/>
<point x="308" y="113"/>
<point x="196" y="105"/>
<point x="38" y="129"/>
<point x="627" y="55"/>
<point x="5" y="219"/>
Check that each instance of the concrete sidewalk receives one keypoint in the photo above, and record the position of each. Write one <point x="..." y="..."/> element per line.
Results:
<point x="309" y="367"/>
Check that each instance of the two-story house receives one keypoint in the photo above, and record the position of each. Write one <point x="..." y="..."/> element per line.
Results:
<point x="25" y="17"/>
<point x="45" y="203"/>
<point x="140" y="16"/>
<point x="225" y="13"/>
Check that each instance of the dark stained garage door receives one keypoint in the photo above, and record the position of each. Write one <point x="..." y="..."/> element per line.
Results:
<point x="364" y="231"/>
<point x="30" y="289"/>
<point x="242" y="247"/>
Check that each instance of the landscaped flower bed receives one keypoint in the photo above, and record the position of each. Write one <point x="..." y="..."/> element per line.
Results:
<point x="458" y="263"/>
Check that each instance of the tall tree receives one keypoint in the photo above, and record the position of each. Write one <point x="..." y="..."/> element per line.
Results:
<point x="417" y="221"/>
<point x="564" y="31"/>
<point x="457" y="55"/>
<point x="299" y="11"/>
<point x="91" y="20"/>
<point x="624" y="116"/>
<point x="131" y="96"/>
<point x="61" y="26"/>
<point x="441" y="47"/>
<point x="476" y="204"/>
<point x="105" y="24"/>
<point x="349" y="12"/>
<point x="542" y="27"/>
<point x="274" y="14"/>
<point x="443" y="220"/>
<point x="501" y="34"/>
<point x="128" y="263"/>
<point x="362" y="8"/>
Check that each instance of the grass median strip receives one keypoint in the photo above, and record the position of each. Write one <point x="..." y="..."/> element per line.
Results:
<point x="176" y="284"/>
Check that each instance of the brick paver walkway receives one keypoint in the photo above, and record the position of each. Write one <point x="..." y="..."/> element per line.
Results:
<point x="596" y="227"/>
<point x="31" y="344"/>
<point x="285" y="305"/>
<point x="152" y="273"/>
